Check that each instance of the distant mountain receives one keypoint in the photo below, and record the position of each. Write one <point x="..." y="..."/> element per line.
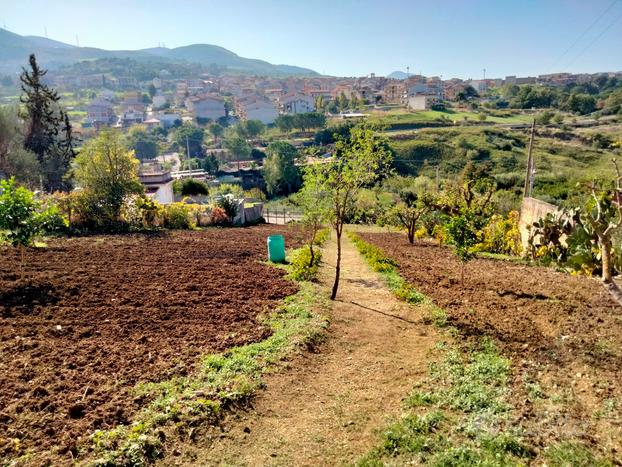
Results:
<point x="398" y="75"/>
<point x="14" y="51"/>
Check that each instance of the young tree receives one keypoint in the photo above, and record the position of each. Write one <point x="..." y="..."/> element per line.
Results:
<point x="108" y="172"/>
<point x="410" y="205"/>
<point x="314" y="203"/>
<point x="280" y="172"/>
<point x="48" y="131"/>
<point x="21" y="217"/>
<point x="603" y="213"/>
<point x="358" y="161"/>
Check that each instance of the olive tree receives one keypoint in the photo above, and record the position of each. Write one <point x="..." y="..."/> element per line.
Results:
<point x="358" y="161"/>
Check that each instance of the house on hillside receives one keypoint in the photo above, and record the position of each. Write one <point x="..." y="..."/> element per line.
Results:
<point x="256" y="108"/>
<point x="206" y="106"/>
<point x="422" y="101"/>
<point x="99" y="113"/>
<point x="296" y="104"/>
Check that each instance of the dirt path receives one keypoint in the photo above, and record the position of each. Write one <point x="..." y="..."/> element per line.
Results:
<point x="326" y="408"/>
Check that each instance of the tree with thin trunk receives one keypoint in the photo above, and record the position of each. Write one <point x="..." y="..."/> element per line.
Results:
<point x="358" y="161"/>
<point x="313" y="201"/>
<point x="603" y="213"/>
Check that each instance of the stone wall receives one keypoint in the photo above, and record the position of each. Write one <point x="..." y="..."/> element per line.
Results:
<point x="532" y="210"/>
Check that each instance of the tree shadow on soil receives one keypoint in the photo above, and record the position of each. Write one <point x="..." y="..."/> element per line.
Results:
<point x="23" y="297"/>
<point x="389" y="315"/>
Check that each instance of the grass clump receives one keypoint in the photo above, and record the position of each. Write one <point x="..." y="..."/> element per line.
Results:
<point x="458" y="418"/>
<point x="388" y="269"/>
<point x="180" y="404"/>
<point x="572" y="454"/>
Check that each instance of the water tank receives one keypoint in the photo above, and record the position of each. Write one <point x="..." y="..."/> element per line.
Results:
<point x="276" y="248"/>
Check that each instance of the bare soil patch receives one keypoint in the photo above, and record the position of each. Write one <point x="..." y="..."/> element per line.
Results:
<point x="98" y="315"/>
<point x="563" y="333"/>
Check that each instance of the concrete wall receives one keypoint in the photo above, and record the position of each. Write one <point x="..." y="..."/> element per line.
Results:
<point x="532" y="210"/>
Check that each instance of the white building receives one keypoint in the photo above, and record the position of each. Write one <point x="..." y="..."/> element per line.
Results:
<point x="297" y="103"/>
<point x="159" y="101"/>
<point x="158" y="186"/>
<point x="256" y="108"/>
<point x="422" y="102"/>
<point x="206" y="106"/>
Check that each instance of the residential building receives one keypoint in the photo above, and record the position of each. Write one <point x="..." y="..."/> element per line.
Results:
<point x="296" y="104"/>
<point x="256" y="108"/>
<point x="206" y="106"/>
<point x="422" y="101"/>
<point x="100" y="112"/>
<point x="158" y="183"/>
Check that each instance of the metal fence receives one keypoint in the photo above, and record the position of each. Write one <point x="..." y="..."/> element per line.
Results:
<point x="281" y="216"/>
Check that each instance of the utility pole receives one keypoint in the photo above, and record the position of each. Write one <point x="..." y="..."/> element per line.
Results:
<point x="187" y="149"/>
<point x="529" y="175"/>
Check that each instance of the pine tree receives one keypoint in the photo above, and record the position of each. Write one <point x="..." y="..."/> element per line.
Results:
<point x="48" y="131"/>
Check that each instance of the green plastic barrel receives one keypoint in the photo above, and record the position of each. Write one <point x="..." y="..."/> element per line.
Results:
<point x="276" y="248"/>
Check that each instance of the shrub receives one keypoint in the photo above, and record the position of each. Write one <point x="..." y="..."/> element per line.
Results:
<point x="502" y="235"/>
<point x="177" y="216"/>
<point x="229" y="205"/>
<point x="21" y="216"/>
<point x="219" y="216"/>
<point x="190" y="187"/>
<point x="302" y="267"/>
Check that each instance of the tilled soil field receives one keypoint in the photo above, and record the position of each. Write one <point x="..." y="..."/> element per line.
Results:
<point x="563" y="333"/>
<point x="96" y="315"/>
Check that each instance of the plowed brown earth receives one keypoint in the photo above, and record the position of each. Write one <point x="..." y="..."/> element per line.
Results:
<point x="97" y="315"/>
<point x="562" y="332"/>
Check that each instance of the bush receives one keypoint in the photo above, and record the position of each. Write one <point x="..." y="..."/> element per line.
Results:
<point x="190" y="187"/>
<point x="219" y="216"/>
<point x="22" y="217"/>
<point x="302" y="267"/>
<point x="229" y="205"/>
<point x="177" y="216"/>
<point x="502" y="235"/>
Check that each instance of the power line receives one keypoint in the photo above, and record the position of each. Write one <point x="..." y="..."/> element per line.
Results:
<point x="582" y="35"/>
<point x="596" y="39"/>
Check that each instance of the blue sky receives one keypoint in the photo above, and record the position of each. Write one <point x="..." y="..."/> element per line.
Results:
<point x="452" y="38"/>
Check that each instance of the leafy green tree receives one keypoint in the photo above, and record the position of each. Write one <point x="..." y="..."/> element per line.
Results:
<point x="280" y="172"/>
<point x="108" y="172"/>
<point x="190" y="139"/>
<point x="210" y="164"/>
<point x="358" y="161"/>
<point x="464" y="229"/>
<point x="238" y="147"/>
<point x="411" y="203"/>
<point x="22" y="217"/>
<point x="315" y="207"/>
<point x="144" y="145"/>
<point x="217" y="131"/>
<point x="48" y="131"/>
<point x="15" y="161"/>
<point x="152" y="90"/>
<point x="254" y="128"/>
<point x="285" y="123"/>
<point x="581" y="103"/>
